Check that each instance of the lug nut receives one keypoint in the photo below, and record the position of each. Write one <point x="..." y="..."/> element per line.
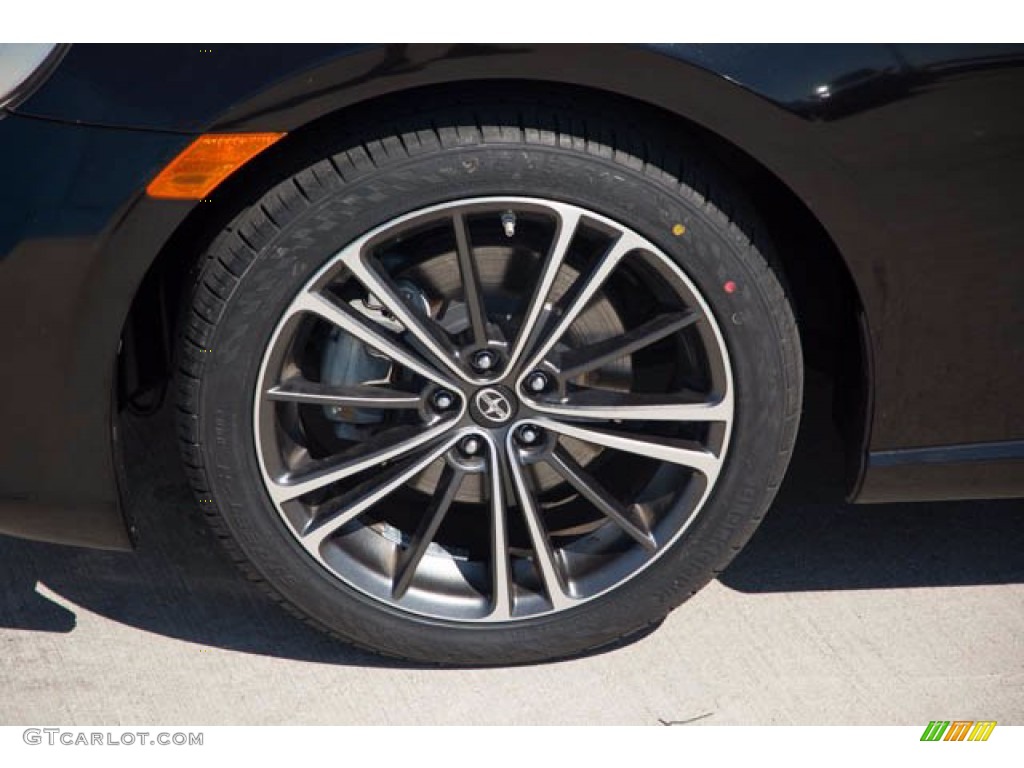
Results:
<point x="443" y="400"/>
<point x="470" y="446"/>
<point x="484" y="360"/>
<point x="529" y="434"/>
<point x="537" y="381"/>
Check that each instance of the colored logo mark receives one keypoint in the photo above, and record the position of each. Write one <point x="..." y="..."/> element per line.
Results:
<point x="958" y="730"/>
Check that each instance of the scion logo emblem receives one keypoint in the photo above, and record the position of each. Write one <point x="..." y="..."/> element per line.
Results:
<point x="493" y="405"/>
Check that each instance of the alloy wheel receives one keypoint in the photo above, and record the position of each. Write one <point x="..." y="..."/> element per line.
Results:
<point x="493" y="409"/>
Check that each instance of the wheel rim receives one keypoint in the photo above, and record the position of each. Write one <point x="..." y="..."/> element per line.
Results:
<point x="512" y="432"/>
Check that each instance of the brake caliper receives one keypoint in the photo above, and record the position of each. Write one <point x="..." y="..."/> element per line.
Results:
<point x="349" y="362"/>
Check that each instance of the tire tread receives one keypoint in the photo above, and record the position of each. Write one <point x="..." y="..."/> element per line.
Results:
<point x="652" y="153"/>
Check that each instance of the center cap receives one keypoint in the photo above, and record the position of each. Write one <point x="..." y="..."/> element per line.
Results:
<point x="493" y="406"/>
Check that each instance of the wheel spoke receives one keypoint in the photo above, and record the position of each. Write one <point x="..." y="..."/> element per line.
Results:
<point x="565" y="465"/>
<point x="337" y="514"/>
<point x="575" y="362"/>
<point x="474" y="295"/>
<point x="423" y="329"/>
<point x="348" y="320"/>
<point x="605" y="405"/>
<point x="568" y="220"/>
<point x="544" y="554"/>
<point x="580" y="294"/>
<point x="444" y="494"/>
<point x="386" y="446"/>
<point x="501" y="565"/>
<point x="593" y="382"/>
<point x="304" y="391"/>
<point x="679" y="452"/>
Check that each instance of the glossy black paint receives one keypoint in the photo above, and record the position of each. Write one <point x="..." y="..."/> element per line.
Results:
<point x="987" y="470"/>
<point x="1010" y="450"/>
<point x="72" y="224"/>
<point x="909" y="156"/>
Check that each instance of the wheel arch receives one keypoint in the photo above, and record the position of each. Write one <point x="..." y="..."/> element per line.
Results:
<point x="826" y="299"/>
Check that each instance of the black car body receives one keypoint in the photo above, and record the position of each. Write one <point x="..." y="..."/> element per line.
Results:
<point x="889" y="173"/>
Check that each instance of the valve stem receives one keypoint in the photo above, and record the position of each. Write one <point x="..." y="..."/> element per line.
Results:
<point x="508" y="223"/>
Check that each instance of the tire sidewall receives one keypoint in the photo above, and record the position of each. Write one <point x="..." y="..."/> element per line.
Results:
<point x="758" y="332"/>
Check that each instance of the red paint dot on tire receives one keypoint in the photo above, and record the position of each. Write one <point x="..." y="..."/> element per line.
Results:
<point x="729" y="286"/>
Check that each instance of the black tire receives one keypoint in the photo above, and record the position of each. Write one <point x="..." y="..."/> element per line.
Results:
<point x="638" y="174"/>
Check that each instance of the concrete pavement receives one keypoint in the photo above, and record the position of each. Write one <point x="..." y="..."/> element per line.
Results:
<point x="897" y="614"/>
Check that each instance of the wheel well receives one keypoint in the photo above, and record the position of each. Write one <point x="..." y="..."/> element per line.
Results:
<point x="826" y="302"/>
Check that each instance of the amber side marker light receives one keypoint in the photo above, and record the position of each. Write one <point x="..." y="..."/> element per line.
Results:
<point x="206" y="162"/>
